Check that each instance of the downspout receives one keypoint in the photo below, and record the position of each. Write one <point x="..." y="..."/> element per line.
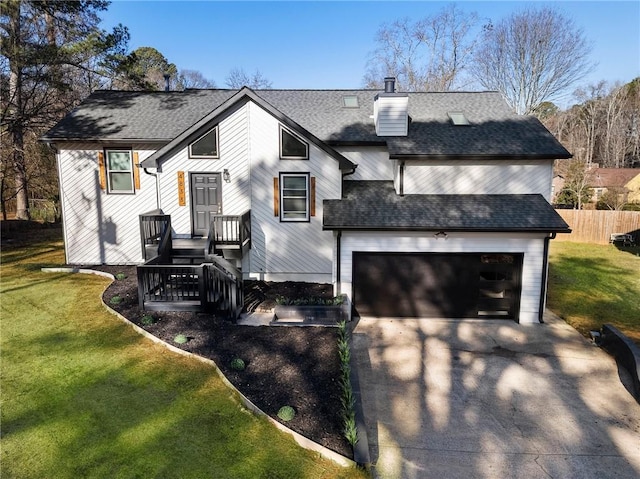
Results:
<point x="338" y="259"/>
<point x="339" y="240"/>
<point x="401" y="179"/>
<point x="155" y="175"/>
<point x="545" y="275"/>
<point x="343" y="177"/>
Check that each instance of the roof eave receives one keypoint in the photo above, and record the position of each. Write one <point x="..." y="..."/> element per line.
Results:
<point x="545" y="156"/>
<point x="447" y="229"/>
<point x="48" y="139"/>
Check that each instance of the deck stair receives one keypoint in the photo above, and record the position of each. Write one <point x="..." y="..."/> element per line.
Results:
<point x="190" y="274"/>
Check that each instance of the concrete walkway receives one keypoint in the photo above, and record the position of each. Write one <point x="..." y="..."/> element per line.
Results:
<point x="492" y="399"/>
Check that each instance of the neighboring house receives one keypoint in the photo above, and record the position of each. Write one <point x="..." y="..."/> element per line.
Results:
<point x="623" y="181"/>
<point x="412" y="204"/>
<point x="557" y="184"/>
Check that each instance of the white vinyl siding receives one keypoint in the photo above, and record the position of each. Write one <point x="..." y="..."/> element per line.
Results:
<point x="295" y="251"/>
<point x="233" y="155"/>
<point x="390" y="115"/>
<point x="531" y="245"/>
<point x="99" y="227"/>
<point x="489" y="177"/>
<point x="373" y="162"/>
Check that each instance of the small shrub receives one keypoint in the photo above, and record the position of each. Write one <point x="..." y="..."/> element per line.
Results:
<point x="237" y="364"/>
<point x="180" y="339"/>
<point x="286" y="413"/>
<point x="115" y="300"/>
<point x="148" y="320"/>
<point x="350" y="429"/>
<point x="120" y="276"/>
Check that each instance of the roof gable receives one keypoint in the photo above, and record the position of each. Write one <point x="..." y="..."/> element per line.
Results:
<point x="243" y="95"/>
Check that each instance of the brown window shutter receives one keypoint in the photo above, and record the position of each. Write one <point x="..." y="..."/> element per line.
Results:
<point x="103" y="172"/>
<point x="136" y="171"/>
<point x="276" y="197"/>
<point x="312" y="199"/>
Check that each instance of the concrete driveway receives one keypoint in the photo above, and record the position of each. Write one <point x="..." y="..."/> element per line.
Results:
<point x="492" y="399"/>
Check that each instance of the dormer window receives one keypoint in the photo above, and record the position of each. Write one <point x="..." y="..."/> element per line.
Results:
<point x="458" y="118"/>
<point x="292" y="147"/>
<point x="206" y="146"/>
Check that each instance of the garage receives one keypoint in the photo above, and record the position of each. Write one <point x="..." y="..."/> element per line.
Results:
<point x="437" y="285"/>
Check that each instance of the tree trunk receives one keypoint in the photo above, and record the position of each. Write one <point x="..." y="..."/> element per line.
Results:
<point x="16" y="114"/>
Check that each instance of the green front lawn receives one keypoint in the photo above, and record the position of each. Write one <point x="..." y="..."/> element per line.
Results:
<point x="590" y="285"/>
<point x="84" y="395"/>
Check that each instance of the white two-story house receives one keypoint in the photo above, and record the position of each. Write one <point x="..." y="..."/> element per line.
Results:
<point x="412" y="204"/>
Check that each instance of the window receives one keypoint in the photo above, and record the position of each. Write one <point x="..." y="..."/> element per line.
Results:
<point x="294" y="197"/>
<point x="119" y="171"/>
<point x="206" y="146"/>
<point x="458" y="118"/>
<point x="292" y="147"/>
<point x="350" y="101"/>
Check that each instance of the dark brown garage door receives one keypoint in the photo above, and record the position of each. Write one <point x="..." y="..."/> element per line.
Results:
<point x="470" y="285"/>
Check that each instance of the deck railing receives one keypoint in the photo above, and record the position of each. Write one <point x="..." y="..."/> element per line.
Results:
<point x="215" y="285"/>
<point x="207" y="287"/>
<point x="155" y="234"/>
<point x="229" y="232"/>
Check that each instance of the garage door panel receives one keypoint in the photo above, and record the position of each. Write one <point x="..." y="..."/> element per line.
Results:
<point x="434" y="285"/>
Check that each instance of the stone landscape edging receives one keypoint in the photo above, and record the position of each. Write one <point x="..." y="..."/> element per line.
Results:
<point x="299" y="438"/>
<point x="625" y="351"/>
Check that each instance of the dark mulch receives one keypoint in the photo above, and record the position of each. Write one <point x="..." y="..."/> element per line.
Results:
<point x="295" y="366"/>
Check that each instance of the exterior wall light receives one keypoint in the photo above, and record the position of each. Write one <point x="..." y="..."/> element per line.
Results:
<point x="441" y="234"/>
<point x="226" y="176"/>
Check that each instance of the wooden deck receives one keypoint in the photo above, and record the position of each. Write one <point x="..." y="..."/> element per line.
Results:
<point x="189" y="274"/>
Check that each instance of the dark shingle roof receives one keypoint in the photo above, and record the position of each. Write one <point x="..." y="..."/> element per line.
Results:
<point x="494" y="129"/>
<point x="375" y="205"/>
<point x="129" y="115"/>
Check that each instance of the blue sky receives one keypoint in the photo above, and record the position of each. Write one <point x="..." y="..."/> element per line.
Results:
<point x="326" y="44"/>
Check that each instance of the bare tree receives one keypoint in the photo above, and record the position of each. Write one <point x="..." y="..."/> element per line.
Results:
<point x="426" y="55"/>
<point x="615" y="198"/>
<point x="531" y="56"/>
<point x="193" y="79"/>
<point x="576" y="190"/>
<point x="238" y="78"/>
<point x="587" y="117"/>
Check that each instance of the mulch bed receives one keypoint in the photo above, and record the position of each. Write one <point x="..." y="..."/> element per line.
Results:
<point x="295" y="366"/>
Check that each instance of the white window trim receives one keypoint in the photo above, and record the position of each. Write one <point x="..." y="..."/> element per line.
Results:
<point x="206" y="157"/>
<point x="307" y="217"/>
<point x="306" y="144"/>
<point x="108" y="171"/>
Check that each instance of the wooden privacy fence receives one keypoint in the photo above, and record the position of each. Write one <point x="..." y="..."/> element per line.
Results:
<point x="596" y="226"/>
